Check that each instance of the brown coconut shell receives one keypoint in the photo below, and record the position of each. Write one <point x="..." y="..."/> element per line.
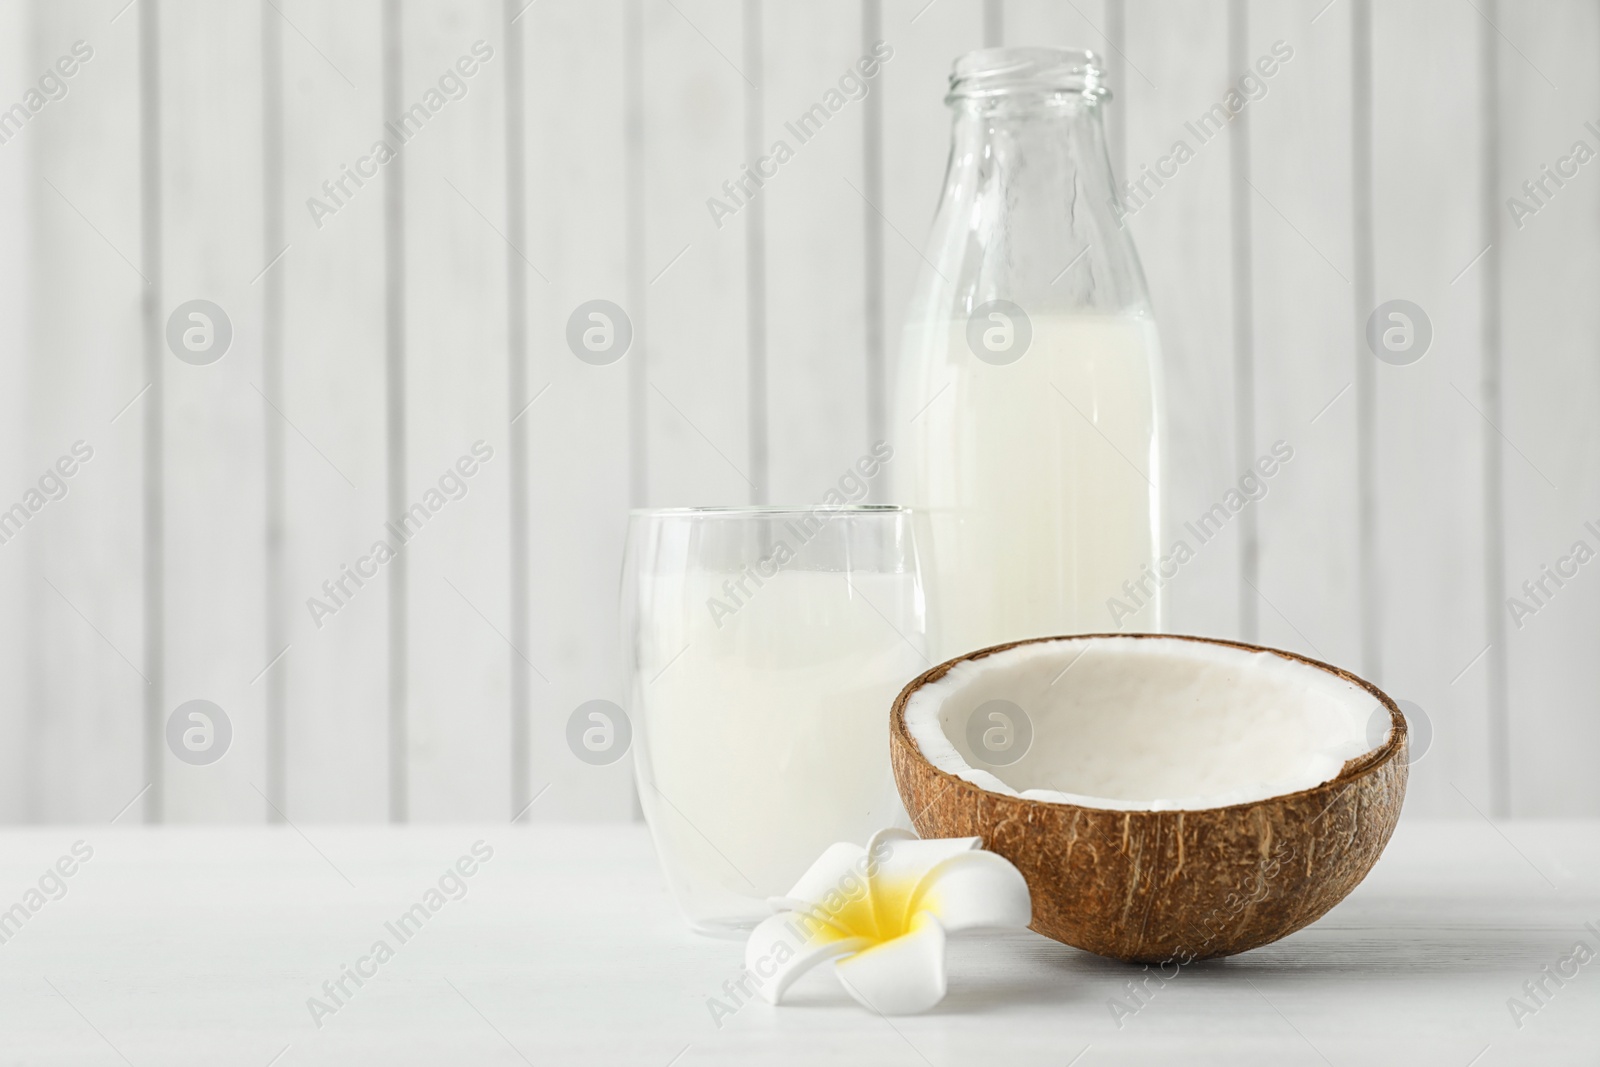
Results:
<point x="1160" y="886"/>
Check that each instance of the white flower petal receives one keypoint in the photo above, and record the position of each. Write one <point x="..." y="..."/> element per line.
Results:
<point x="787" y="945"/>
<point x="899" y="867"/>
<point x="889" y="833"/>
<point x="831" y="873"/>
<point x="901" y="976"/>
<point x="975" y="889"/>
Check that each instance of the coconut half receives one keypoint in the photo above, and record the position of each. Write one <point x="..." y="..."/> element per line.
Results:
<point x="1166" y="798"/>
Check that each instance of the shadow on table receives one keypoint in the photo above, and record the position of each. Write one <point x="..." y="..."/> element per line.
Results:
<point x="1401" y="938"/>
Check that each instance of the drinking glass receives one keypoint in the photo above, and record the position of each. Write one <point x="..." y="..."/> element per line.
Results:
<point x="764" y="647"/>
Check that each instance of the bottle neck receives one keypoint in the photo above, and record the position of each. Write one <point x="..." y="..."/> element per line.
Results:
<point x="1029" y="211"/>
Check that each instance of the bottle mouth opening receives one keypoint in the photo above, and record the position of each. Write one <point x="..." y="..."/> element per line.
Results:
<point x="995" y="73"/>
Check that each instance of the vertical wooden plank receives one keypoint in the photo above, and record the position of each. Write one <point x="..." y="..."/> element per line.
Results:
<point x="520" y="624"/>
<point x="333" y="409"/>
<point x="926" y="39"/>
<point x="16" y="180"/>
<point x="459" y="699"/>
<point x="1174" y="65"/>
<point x="84" y="633"/>
<point x="396" y="254"/>
<point x="274" y="241"/>
<point x="875" y="331"/>
<point x="1114" y="25"/>
<point x="817" y="367"/>
<point x="1428" y="492"/>
<point x="153" y="461"/>
<point x="215" y="545"/>
<point x="634" y="214"/>
<point x="1040" y="24"/>
<point x="699" y="416"/>
<point x="1492" y="228"/>
<point x="752" y="63"/>
<point x="1363" y="288"/>
<point x="575" y="413"/>
<point x="926" y="42"/>
<point x="1242" y="223"/>
<point x="994" y="23"/>
<point x="1549" y="390"/>
<point x="1300" y="202"/>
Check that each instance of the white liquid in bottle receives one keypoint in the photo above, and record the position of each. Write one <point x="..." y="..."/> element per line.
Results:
<point x="1035" y="480"/>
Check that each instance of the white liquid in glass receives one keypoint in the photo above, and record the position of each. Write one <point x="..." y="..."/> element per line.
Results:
<point x="766" y="739"/>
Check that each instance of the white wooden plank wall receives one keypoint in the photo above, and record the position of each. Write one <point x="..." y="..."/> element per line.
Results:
<point x="1173" y="64"/>
<point x="213" y="435"/>
<point x="79" y="564"/>
<point x="374" y="346"/>
<point x="1428" y="442"/>
<point x="583" y="430"/>
<point x="1548" y="375"/>
<point x="334" y="676"/>
<point x="16" y="179"/>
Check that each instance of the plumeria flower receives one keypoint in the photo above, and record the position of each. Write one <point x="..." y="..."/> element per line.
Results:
<point x="881" y="914"/>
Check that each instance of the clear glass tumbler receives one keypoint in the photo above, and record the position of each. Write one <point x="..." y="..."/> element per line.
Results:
<point x="764" y="647"/>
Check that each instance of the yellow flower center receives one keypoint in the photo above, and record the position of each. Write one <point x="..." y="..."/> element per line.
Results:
<point x="882" y="913"/>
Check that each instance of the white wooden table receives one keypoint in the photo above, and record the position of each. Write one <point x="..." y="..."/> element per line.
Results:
<point x="202" y="946"/>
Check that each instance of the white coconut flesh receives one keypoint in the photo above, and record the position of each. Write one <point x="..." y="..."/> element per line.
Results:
<point x="1141" y="724"/>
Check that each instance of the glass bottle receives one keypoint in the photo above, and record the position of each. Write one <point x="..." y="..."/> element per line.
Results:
<point x="1029" y="387"/>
